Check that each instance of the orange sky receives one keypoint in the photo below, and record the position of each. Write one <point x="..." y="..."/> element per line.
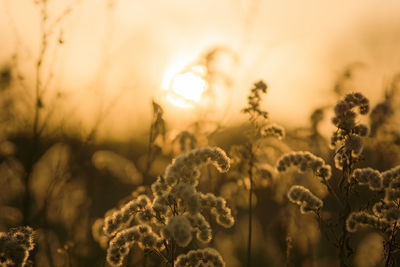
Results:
<point x="120" y="55"/>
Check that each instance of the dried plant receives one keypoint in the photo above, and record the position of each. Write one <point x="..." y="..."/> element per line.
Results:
<point x="248" y="156"/>
<point x="15" y="246"/>
<point x="348" y="144"/>
<point x="173" y="215"/>
<point x="291" y="197"/>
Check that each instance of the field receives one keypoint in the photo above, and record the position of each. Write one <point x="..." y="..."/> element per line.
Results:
<point x="234" y="146"/>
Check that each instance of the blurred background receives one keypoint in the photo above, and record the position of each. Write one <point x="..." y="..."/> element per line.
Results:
<point x="122" y="53"/>
<point x="95" y="96"/>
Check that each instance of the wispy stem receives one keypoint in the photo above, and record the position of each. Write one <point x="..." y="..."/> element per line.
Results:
<point x="250" y="173"/>
<point x="391" y="242"/>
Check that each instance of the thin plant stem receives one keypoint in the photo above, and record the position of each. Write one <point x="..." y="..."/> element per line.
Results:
<point x="172" y="257"/>
<point x="36" y="113"/>
<point x="250" y="173"/>
<point x="149" y="151"/>
<point x="39" y="63"/>
<point x="344" y="250"/>
<point x="391" y="242"/>
<point x="332" y="191"/>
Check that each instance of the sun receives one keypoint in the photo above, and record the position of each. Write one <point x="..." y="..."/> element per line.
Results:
<point x="186" y="88"/>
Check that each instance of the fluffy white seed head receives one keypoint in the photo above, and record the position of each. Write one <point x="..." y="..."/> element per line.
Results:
<point x="121" y="218"/>
<point x="344" y="114"/>
<point x="273" y="130"/>
<point x="120" y="245"/>
<point x="368" y="176"/>
<point x="159" y="187"/>
<point x="347" y="139"/>
<point x="390" y="175"/>
<point x="207" y="256"/>
<point x="391" y="194"/>
<point x="361" y="218"/>
<point x="201" y="226"/>
<point x="180" y="229"/>
<point x="303" y="160"/>
<point x="15" y="246"/>
<point x="217" y="206"/>
<point x="188" y="195"/>
<point x="185" y="168"/>
<point x="380" y="208"/>
<point x="304" y="198"/>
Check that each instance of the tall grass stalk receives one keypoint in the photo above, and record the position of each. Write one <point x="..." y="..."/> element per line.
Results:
<point x="250" y="226"/>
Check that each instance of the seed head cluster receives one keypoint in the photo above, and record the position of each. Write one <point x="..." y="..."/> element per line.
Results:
<point x="15" y="246"/>
<point x="390" y="176"/>
<point x="368" y="176"/>
<point x="388" y="180"/>
<point x="385" y="212"/>
<point x="272" y="130"/>
<point x="304" y="160"/>
<point x="361" y="218"/>
<point x="348" y="137"/>
<point x="119" y="246"/>
<point x="201" y="226"/>
<point x="344" y="110"/>
<point x="121" y="218"/>
<point x="200" y="257"/>
<point x="217" y="206"/>
<point x="254" y="102"/>
<point x="180" y="229"/>
<point x="304" y="198"/>
<point x="381" y="208"/>
<point x="185" y="168"/>
<point x="174" y="214"/>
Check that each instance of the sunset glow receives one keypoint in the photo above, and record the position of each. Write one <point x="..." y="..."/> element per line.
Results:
<point x="199" y="133"/>
<point x="186" y="88"/>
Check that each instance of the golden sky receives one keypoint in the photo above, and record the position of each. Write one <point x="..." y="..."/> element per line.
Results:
<point x="117" y="53"/>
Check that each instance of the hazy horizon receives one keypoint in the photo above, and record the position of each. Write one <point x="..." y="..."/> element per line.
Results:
<point x="120" y="54"/>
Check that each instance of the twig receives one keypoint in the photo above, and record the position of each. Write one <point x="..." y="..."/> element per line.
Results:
<point x="391" y="243"/>
<point x="250" y="173"/>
